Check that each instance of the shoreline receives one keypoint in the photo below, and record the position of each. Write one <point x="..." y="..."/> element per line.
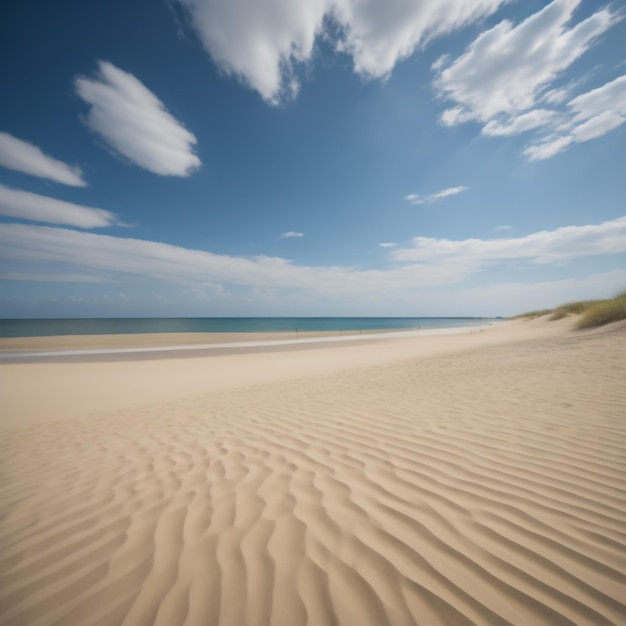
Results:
<point x="40" y="388"/>
<point x="155" y="344"/>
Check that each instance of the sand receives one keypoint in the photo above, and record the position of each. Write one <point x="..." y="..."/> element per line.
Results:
<point x="462" y="479"/>
<point x="150" y="340"/>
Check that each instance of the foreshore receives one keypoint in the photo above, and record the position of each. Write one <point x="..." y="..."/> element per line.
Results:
<point x="153" y="340"/>
<point x="474" y="477"/>
<point x="58" y="345"/>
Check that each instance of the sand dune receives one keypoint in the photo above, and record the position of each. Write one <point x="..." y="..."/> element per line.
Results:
<point x="478" y="486"/>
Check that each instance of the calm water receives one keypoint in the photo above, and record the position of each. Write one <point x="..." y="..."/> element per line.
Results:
<point x="49" y="327"/>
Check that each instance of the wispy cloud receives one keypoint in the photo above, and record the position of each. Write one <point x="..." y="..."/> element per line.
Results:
<point x="262" y="41"/>
<point x="503" y="227"/>
<point x="415" y="198"/>
<point x="291" y="235"/>
<point x="544" y="247"/>
<point x="547" y="148"/>
<point x="22" y="156"/>
<point x="135" y="123"/>
<point x="520" y="124"/>
<point x="31" y="206"/>
<point x="430" y="262"/>
<point x="507" y="67"/>
<point x="53" y="278"/>
<point x="589" y="115"/>
<point x="504" y="80"/>
<point x="387" y="245"/>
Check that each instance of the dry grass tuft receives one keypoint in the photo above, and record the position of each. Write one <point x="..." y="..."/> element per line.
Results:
<point x="604" y="312"/>
<point x="558" y="314"/>
<point x="572" y="308"/>
<point x="533" y="314"/>
<point x="594" y="312"/>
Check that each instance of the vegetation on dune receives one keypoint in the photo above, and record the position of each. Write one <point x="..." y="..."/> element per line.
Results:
<point x="532" y="314"/>
<point x="592" y="312"/>
<point x="572" y="308"/>
<point x="604" y="312"/>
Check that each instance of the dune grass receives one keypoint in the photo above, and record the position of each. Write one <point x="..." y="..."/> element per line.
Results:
<point x="532" y="314"/>
<point x="572" y="308"/>
<point x="604" y="312"/>
<point x="592" y="312"/>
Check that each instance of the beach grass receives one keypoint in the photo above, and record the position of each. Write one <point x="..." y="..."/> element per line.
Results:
<point x="572" y="308"/>
<point x="604" y="312"/>
<point x="592" y="312"/>
<point x="532" y="314"/>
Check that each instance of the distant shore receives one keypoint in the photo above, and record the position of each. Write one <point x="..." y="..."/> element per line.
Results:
<point x="156" y="343"/>
<point x="223" y="325"/>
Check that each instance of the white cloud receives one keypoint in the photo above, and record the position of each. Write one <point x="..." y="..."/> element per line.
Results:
<point x="430" y="263"/>
<point x="379" y="33"/>
<point x="556" y="96"/>
<point x="52" y="278"/>
<point x="387" y="245"/>
<point x="22" y="156"/>
<point x="609" y="97"/>
<point x="506" y="69"/>
<point x="415" y="198"/>
<point x="590" y="115"/>
<point x="31" y="206"/>
<point x="135" y="123"/>
<point x="544" y="247"/>
<point x="600" y="110"/>
<point x="597" y="126"/>
<point x="291" y="235"/>
<point x="23" y="247"/>
<point x="136" y="257"/>
<point x="503" y="227"/>
<point x="262" y="41"/>
<point x="259" y="41"/>
<point x="440" y="62"/>
<point x="519" y="124"/>
<point x="547" y="148"/>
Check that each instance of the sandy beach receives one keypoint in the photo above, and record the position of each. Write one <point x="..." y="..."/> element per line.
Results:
<point x="470" y="478"/>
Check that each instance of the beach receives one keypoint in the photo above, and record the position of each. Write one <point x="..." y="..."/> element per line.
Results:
<point x="470" y="477"/>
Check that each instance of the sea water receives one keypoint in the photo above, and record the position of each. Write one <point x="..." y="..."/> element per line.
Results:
<point x="111" y="326"/>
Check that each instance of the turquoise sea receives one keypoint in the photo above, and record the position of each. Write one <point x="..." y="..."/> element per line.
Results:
<point x="109" y="326"/>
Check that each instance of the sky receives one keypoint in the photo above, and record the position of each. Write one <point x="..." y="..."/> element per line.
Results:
<point x="204" y="158"/>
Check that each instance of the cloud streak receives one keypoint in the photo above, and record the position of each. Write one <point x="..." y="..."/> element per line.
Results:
<point x="262" y="42"/>
<point x="291" y="235"/>
<point x="590" y="115"/>
<point x="430" y="262"/>
<point x="22" y="156"/>
<point x="31" y="206"/>
<point x="504" y="71"/>
<point x="414" y="198"/>
<point x="544" y="247"/>
<point x="504" y="81"/>
<point x="52" y="278"/>
<point x="135" y="123"/>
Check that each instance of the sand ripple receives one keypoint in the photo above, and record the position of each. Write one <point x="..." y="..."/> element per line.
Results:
<point x="481" y="488"/>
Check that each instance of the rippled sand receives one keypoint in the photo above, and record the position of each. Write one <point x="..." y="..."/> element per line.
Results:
<point x="468" y="480"/>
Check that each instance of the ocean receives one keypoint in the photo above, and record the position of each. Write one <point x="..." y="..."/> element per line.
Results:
<point x="111" y="326"/>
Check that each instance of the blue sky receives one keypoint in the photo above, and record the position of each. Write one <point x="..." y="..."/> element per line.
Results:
<point x="327" y="157"/>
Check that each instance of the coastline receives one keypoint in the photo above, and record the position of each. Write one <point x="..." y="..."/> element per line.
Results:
<point x="48" y="385"/>
<point x="469" y="478"/>
<point x="156" y="343"/>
